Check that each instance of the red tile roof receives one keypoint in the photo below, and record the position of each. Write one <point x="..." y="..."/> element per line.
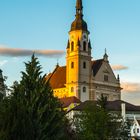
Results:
<point x="68" y="100"/>
<point x="57" y="79"/>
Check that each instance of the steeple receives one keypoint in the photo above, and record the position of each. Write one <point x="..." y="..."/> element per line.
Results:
<point x="79" y="23"/>
<point x="78" y="57"/>
<point x="105" y="55"/>
<point x="79" y="9"/>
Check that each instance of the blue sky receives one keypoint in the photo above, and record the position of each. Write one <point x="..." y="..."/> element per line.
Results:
<point x="44" y="25"/>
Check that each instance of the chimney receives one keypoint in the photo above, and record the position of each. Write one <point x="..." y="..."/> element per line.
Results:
<point x="123" y="109"/>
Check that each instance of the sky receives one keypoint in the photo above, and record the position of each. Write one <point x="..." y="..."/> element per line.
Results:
<point x="42" y="26"/>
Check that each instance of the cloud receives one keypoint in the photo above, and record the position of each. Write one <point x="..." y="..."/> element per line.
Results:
<point x="3" y="62"/>
<point x="119" y="67"/>
<point x="17" y="52"/>
<point x="129" y="87"/>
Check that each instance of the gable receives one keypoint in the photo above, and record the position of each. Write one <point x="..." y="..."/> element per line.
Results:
<point x="104" y="72"/>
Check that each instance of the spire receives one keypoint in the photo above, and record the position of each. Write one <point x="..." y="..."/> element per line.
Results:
<point x="89" y="44"/>
<point x="79" y="9"/>
<point x="79" y="23"/>
<point x="118" y="78"/>
<point x="57" y="64"/>
<point x="105" y="55"/>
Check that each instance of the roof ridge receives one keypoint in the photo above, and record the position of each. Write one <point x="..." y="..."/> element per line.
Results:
<point x="96" y="60"/>
<point x="52" y="73"/>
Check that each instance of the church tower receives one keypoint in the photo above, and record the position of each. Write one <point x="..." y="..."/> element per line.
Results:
<point x="78" y="57"/>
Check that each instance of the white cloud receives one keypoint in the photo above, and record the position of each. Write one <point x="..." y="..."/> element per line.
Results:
<point x="129" y="87"/>
<point x="119" y="67"/>
<point x="18" y="52"/>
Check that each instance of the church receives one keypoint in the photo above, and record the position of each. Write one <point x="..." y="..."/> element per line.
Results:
<point x="83" y="76"/>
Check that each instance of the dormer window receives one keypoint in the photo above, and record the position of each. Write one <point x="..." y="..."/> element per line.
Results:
<point x="84" y="46"/>
<point x="72" y="46"/>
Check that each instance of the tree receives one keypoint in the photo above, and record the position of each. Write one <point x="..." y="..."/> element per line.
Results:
<point x="125" y="133"/>
<point x="102" y="101"/>
<point x="31" y="112"/>
<point x="95" y="122"/>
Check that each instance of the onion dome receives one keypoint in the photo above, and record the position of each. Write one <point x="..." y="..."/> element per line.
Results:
<point x="79" y="23"/>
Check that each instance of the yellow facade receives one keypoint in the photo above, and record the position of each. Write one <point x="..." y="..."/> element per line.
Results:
<point x="83" y="77"/>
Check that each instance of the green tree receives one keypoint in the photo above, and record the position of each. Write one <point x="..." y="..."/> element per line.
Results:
<point x="124" y="131"/>
<point x="31" y="112"/>
<point x="102" y="101"/>
<point x="95" y="122"/>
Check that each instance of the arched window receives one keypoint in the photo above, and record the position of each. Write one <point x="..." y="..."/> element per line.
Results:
<point x="72" y="65"/>
<point x="84" y="89"/>
<point x="72" y="89"/>
<point x="84" y="65"/>
<point x="84" y="46"/>
<point x="72" y="46"/>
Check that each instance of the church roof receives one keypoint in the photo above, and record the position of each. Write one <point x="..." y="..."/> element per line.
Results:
<point x="96" y="64"/>
<point x="69" y="100"/>
<point x="57" y="79"/>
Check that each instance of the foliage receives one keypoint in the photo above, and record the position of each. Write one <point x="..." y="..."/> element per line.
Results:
<point x="95" y="122"/>
<point x="31" y="112"/>
<point x="102" y="101"/>
<point x="124" y="132"/>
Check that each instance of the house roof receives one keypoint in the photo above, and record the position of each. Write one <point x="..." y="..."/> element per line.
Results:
<point x="69" y="100"/>
<point x="96" y="64"/>
<point x="57" y="79"/>
<point x="111" y="105"/>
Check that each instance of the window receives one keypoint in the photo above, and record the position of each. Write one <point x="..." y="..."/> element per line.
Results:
<point x="137" y="130"/>
<point x="72" y="89"/>
<point x="106" y="78"/>
<point x="84" y="65"/>
<point x="84" y="37"/>
<point x="72" y="46"/>
<point x="133" y="130"/>
<point x="84" y="89"/>
<point x="84" y="45"/>
<point x="72" y="65"/>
